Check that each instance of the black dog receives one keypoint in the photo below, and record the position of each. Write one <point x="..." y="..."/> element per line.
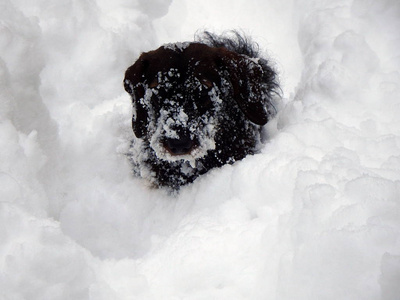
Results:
<point x="197" y="106"/>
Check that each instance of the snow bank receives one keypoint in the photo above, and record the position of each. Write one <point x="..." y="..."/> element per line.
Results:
<point x="315" y="215"/>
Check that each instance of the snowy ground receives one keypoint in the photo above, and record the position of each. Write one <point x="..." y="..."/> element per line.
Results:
<point x="316" y="215"/>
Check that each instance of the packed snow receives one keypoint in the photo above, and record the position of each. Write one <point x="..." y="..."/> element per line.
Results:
<point x="315" y="215"/>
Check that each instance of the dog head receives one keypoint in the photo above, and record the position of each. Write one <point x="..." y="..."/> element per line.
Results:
<point x="179" y="90"/>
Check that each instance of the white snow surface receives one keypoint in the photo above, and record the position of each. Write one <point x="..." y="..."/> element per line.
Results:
<point x="315" y="215"/>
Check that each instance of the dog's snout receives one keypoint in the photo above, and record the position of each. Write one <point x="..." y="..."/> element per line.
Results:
<point x="183" y="145"/>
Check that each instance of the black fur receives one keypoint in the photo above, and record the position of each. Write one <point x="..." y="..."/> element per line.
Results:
<point x="197" y="106"/>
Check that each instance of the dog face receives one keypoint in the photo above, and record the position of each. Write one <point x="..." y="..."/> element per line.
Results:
<point x="195" y="107"/>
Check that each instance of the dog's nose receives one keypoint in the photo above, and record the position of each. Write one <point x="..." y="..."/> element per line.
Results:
<point x="180" y="146"/>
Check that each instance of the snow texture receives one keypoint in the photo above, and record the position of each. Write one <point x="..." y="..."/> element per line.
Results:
<point x="315" y="215"/>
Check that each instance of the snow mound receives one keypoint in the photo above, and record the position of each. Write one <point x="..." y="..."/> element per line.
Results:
<point x="315" y="215"/>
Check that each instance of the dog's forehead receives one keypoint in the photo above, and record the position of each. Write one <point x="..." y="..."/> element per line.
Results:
<point x="183" y="57"/>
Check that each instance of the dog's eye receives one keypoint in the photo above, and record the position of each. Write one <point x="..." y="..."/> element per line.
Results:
<point x="154" y="83"/>
<point x="207" y="83"/>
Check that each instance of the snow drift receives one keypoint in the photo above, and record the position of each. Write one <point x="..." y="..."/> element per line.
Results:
<point x="316" y="215"/>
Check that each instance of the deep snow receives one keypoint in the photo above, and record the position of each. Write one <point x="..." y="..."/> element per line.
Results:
<point x="316" y="215"/>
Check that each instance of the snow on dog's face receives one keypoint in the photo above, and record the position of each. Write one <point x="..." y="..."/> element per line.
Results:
<point x="176" y="100"/>
<point x="181" y="108"/>
<point x="191" y="102"/>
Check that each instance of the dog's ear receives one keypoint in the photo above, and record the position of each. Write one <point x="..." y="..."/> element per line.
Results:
<point x="134" y="85"/>
<point x="250" y="89"/>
